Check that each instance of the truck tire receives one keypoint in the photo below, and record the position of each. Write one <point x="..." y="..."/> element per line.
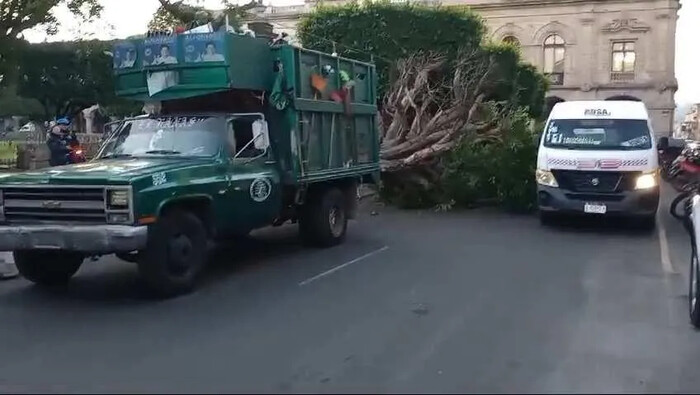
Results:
<point x="48" y="268"/>
<point x="324" y="219"/>
<point x="175" y="253"/>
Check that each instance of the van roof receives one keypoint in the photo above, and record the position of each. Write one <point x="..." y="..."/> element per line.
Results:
<point x="599" y="109"/>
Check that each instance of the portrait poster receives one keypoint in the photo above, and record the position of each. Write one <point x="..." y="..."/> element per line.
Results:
<point x="204" y="47"/>
<point x="125" y="55"/>
<point x="160" y="50"/>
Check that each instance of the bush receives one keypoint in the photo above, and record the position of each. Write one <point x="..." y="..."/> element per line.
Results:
<point x="494" y="171"/>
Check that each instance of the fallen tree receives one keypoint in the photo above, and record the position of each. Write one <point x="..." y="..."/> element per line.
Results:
<point x="432" y="103"/>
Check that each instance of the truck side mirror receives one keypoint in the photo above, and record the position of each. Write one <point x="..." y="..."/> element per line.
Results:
<point x="261" y="135"/>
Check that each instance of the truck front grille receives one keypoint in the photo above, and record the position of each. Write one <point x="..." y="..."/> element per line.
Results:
<point x="54" y="204"/>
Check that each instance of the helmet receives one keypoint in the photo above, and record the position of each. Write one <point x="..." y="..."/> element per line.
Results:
<point x="62" y="121"/>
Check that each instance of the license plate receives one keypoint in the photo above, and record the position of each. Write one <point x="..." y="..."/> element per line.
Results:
<point x="595" y="208"/>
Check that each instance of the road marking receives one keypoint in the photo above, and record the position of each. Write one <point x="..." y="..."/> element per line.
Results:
<point x="346" y="264"/>
<point x="666" y="264"/>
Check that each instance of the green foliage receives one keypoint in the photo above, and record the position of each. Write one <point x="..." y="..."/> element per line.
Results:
<point x="13" y="105"/>
<point x="18" y="16"/>
<point x="517" y="83"/>
<point x="370" y="31"/>
<point x="184" y="13"/>
<point x="500" y="171"/>
<point x="66" y="77"/>
<point x="496" y="171"/>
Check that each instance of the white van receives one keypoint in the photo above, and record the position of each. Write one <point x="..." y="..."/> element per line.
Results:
<point x="598" y="158"/>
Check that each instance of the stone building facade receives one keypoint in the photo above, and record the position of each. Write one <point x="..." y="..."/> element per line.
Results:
<point x="590" y="49"/>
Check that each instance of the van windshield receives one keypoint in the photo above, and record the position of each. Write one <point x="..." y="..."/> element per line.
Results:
<point x="598" y="134"/>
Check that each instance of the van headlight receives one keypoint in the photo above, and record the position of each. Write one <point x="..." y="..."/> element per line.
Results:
<point x="118" y="198"/>
<point x="646" y="181"/>
<point x="545" y="177"/>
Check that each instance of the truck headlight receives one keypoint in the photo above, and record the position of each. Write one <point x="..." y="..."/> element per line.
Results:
<point x="118" y="198"/>
<point x="545" y="177"/>
<point x="646" y="181"/>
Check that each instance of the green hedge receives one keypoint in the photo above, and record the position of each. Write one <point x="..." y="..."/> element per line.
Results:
<point x="497" y="171"/>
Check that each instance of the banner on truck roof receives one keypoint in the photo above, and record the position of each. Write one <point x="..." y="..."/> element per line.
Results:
<point x="125" y="55"/>
<point x="204" y="47"/>
<point x="159" y="50"/>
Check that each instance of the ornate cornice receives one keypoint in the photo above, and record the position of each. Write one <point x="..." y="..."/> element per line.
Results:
<point x="629" y="24"/>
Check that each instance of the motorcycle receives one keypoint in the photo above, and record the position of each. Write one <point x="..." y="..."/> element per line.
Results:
<point x="689" y="202"/>
<point x="76" y="154"/>
<point x="681" y="170"/>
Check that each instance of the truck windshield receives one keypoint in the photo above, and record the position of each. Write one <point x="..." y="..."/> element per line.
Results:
<point x="598" y="134"/>
<point x="199" y="136"/>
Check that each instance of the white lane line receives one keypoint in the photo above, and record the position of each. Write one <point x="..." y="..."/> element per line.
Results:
<point x="666" y="264"/>
<point x="346" y="264"/>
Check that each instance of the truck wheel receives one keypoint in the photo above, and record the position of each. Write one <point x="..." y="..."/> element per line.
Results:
<point x="175" y="253"/>
<point x="48" y="267"/>
<point x="324" y="219"/>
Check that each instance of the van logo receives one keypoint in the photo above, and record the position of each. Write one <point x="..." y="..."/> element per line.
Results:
<point x="597" y="112"/>
<point x="595" y="182"/>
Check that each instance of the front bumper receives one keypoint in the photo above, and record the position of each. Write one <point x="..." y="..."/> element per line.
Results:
<point x="628" y="203"/>
<point x="89" y="239"/>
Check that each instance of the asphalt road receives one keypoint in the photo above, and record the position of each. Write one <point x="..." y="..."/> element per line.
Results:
<point x="413" y="302"/>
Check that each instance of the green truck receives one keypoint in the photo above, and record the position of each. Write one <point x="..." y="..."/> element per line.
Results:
<point x="240" y="134"/>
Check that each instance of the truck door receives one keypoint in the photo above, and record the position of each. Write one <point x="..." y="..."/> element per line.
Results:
<point x="255" y="188"/>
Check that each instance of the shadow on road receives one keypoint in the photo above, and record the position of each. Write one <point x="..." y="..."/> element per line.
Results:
<point x="612" y="226"/>
<point x="111" y="281"/>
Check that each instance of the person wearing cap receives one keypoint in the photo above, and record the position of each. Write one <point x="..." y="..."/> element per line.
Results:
<point x="58" y="143"/>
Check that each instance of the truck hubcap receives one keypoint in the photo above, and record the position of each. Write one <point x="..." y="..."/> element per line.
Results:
<point x="336" y="217"/>
<point x="179" y="251"/>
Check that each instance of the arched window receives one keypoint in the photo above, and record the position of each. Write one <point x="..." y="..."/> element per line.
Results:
<point x="554" y="54"/>
<point x="511" y="40"/>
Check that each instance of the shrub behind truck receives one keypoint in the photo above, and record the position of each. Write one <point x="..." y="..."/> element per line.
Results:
<point x="260" y="136"/>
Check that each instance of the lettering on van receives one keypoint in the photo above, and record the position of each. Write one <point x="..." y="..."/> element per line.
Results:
<point x="597" y="112"/>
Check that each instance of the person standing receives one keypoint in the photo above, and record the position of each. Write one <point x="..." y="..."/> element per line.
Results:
<point x="58" y="143"/>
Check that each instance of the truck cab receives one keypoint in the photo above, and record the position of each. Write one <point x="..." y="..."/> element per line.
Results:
<point x="225" y="148"/>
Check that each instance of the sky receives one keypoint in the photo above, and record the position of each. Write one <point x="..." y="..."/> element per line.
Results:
<point x="122" y="18"/>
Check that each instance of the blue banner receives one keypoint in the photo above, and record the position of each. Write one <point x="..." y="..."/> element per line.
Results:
<point x="125" y="55"/>
<point x="159" y="50"/>
<point x="204" y="47"/>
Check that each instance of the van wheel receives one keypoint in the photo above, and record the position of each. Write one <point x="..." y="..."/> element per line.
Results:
<point x="175" y="253"/>
<point x="324" y="219"/>
<point x="48" y="268"/>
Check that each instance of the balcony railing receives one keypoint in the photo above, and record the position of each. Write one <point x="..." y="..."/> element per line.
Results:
<point x="556" y="78"/>
<point x="617" y="76"/>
